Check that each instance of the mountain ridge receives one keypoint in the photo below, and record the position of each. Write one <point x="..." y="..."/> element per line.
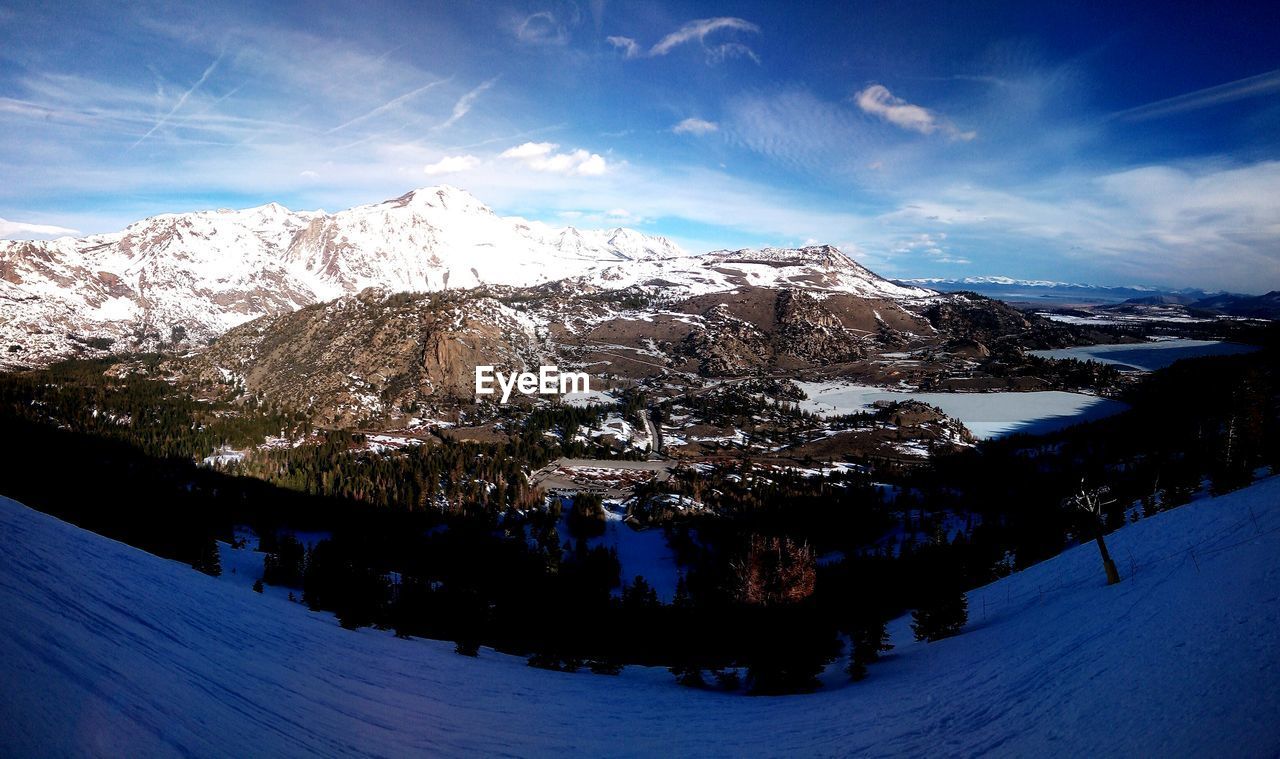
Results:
<point x="184" y="279"/>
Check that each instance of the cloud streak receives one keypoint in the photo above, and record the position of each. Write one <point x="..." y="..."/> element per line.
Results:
<point x="464" y="104"/>
<point x="1254" y="86"/>
<point x="387" y="106"/>
<point x="181" y="102"/>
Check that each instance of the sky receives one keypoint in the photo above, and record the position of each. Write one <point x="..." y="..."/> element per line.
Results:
<point x="1107" y="143"/>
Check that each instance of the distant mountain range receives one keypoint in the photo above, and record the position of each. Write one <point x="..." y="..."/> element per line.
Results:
<point x="1039" y="291"/>
<point x="1120" y="298"/>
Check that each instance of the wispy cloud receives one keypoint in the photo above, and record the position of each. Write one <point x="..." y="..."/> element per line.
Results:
<point x="182" y="100"/>
<point x="542" y="156"/>
<point x="629" y="47"/>
<point x="798" y="129"/>
<point x="1249" y="87"/>
<point x="878" y="101"/>
<point x="20" y="229"/>
<point x="695" y="126"/>
<point x="463" y="106"/>
<point x="542" y="28"/>
<point x="699" y="30"/>
<point x="695" y="31"/>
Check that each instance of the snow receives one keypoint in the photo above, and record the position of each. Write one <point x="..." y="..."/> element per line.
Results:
<point x="222" y="457"/>
<point x="589" y="398"/>
<point x="1147" y="356"/>
<point x="986" y="415"/>
<point x="643" y="553"/>
<point x="105" y="649"/>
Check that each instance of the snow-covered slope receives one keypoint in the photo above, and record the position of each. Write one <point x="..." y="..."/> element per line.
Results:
<point x="107" y="650"/>
<point x="817" y="267"/>
<point x="193" y="276"/>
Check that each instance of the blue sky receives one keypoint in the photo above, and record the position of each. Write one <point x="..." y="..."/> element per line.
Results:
<point x="1106" y="142"/>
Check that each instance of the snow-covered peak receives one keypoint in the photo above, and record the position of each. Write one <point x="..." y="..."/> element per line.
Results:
<point x="440" y="197"/>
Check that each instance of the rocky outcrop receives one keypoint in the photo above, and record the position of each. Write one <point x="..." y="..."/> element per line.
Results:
<point x="373" y="355"/>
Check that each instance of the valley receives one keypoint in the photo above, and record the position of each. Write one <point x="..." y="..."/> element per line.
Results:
<point x="760" y="458"/>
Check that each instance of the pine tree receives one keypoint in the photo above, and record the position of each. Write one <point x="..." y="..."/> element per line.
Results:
<point x="941" y="618"/>
<point x="208" y="560"/>
<point x="869" y="641"/>
<point x="639" y="595"/>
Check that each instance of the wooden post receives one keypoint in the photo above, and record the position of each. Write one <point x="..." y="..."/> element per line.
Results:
<point x="1113" y="574"/>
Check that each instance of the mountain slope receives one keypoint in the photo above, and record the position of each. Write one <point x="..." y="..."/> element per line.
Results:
<point x="108" y="650"/>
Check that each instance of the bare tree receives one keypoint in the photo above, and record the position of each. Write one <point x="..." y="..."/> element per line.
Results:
<point x="775" y="571"/>
<point x="1092" y="502"/>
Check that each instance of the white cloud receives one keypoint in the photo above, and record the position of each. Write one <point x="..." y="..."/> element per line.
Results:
<point x="877" y="100"/>
<point x="695" y="126"/>
<point x="530" y="150"/>
<point x="1210" y="226"/>
<point x="451" y="164"/>
<point x="695" y="31"/>
<point x="542" y="156"/>
<point x="15" y="229"/>
<point x="928" y="243"/>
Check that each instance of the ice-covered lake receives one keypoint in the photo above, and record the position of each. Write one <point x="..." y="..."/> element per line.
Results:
<point x="987" y="415"/>
<point x="1147" y="356"/>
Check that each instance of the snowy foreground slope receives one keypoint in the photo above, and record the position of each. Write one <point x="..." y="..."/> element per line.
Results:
<point x="108" y="650"/>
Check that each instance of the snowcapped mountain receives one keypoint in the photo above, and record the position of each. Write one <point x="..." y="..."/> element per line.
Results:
<point x="198" y="274"/>
<point x="1002" y="280"/>
<point x="190" y="277"/>
<point x="107" y="649"/>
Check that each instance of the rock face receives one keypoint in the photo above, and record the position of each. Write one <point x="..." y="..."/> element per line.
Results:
<point x="980" y="325"/>
<point x="374" y="354"/>
<point x="756" y="329"/>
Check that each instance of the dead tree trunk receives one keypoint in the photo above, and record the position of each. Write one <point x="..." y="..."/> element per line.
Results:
<point x="1113" y="574"/>
<point x="1091" y="503"/>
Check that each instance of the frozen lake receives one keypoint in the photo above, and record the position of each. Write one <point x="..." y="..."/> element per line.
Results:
<point x="987" y="415"/>
<point x="1147" y="356"/>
